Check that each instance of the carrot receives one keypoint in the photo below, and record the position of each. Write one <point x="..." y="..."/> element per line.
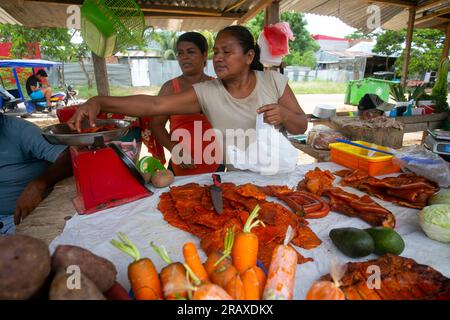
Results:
<point x="206" y="290"/>
<point x="281" y="275"/>
<point x="210" y="263"/>
<point x="235" y="288"/>
<point x="193" y="261"/>
<point x="325" y="290"/>
<point x="251" y="285"/>
<point x="261" y="279"/>
<point x="245" y="249"/>
<point x="215" y="258"/>
<point x="210" y="291"/>
<point x="220" y="267"/>
<point x="329" y="290"/>
<point x="142" y="273"/>
<point x="173" y="276"/>
<point x="224" y="273"/>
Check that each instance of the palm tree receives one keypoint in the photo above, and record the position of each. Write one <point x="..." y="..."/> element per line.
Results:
<point x="168" y="42"/>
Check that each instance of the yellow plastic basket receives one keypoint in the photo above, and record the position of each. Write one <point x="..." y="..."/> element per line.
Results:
<point x="375" y="163"/>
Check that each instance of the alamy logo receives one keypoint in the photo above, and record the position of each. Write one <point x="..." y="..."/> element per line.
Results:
<point x="374" y="19"/>
<point x="374" y="280"/>
<point x="74" y="278"/>
<point x="74" y="17"/>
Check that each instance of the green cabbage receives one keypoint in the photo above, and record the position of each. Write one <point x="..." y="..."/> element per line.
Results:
<point x="435" y="222"/>
<point x="442" y="197"/>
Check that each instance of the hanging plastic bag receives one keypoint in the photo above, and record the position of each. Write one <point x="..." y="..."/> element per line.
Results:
<point x="271" y="153"/>
<point x="274" y="43"/>
<point x="424" y="163"/>
<point x="278" y="36"/>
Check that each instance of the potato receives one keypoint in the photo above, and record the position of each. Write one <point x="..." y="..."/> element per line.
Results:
<point x="24" y="266"/>
<point x="100" y="270"/>
<point x="64" y="287"/>
<point x="162" y="178"/>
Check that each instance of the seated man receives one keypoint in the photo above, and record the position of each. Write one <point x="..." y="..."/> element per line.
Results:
<point x="29" y="167"/>
<point x="35" y="89"/>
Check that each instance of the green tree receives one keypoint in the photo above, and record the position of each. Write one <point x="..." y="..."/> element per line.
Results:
<point x="210" y="38"/>
<point x="302" y="48"/>
<point x="359" y="35"/>
<point x="426" y="49"/>
<point x="55" y="43"/>
<point x="388" y="43"/>
<point x="425" y="52"/>
<point x="168" y="43"/>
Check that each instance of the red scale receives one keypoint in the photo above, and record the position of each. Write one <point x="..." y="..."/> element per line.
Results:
<point x="105" y="177"/>
<point x="103" y="180"/>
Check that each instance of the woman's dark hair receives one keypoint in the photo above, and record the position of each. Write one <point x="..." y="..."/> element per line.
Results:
<point x="247" y="42"/>
<point x="196" y="38"/>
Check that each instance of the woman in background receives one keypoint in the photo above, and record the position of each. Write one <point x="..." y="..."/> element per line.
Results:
<point x="192" y="55"/>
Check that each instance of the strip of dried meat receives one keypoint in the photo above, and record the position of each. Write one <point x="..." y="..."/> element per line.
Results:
<point x="345" y="202"/>
<point x="408" y="190"/>
<point x="400" y="278"/>
<point x="189" y="208"/>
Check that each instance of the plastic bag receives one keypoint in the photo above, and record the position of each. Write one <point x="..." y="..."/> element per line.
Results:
<point x="274" y="43"/>
<point x="277" y="36"/>
<point x="424" y="163"/>
<point x="320" y="137"/>
<point x="271" y="153"/>
<point x="265" y="57"/>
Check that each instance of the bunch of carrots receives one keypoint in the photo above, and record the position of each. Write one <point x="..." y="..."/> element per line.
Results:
<point x="232" y="274"/>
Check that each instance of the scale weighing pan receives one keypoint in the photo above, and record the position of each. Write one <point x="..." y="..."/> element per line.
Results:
<point x="62" y="134"/>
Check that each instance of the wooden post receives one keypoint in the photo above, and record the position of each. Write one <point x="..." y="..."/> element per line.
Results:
<point x="272" y="13"/>
<point x="446" y="43"/>
<point x="409" y="35"/>
<point x="101" y="75"/>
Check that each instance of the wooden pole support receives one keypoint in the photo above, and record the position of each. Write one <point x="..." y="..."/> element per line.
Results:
<point x="101" y="75"/>
<point x="407" y="52"/>
<point x="446" y="43"/>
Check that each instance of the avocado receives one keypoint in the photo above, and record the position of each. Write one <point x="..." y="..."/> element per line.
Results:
<point x="386" y="240"/>
<point x="353" y="242"/>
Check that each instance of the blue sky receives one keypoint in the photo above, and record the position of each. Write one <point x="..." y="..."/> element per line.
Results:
<point x="329" y="26"/>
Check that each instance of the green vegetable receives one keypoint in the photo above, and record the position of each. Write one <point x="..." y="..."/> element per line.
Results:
<point x="435" y="222"/>
<point x="442" y="197"/>
<point x="386" y="240"/>
<point x="353" y="242"/>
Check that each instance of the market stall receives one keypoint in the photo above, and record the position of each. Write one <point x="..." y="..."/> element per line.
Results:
<point x="143" y="223"/>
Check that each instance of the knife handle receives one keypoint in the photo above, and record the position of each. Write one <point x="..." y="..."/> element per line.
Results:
<point x="217" y="180"/>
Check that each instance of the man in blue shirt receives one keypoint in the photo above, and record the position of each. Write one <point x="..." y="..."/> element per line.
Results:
<point x="29" y="167"/>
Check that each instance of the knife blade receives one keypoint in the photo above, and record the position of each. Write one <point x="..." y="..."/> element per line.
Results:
<point x="216" y="193"/>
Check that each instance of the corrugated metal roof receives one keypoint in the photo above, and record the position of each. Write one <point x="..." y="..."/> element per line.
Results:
<point x="187" y="24"/>
<point x="6" y="18"/>
<point x="177" y="15"/>
<point x="355" y="14"/>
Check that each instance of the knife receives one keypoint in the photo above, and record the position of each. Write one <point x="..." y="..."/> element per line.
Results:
<point x="216" y="193"/>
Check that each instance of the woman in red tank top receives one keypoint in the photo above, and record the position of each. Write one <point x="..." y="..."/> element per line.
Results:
<point x="192" y="54"/>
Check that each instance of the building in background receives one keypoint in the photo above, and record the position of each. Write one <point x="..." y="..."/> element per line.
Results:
<point x="340" y="59"/>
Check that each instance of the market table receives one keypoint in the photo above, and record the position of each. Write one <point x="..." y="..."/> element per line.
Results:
<point x="142" y="222"/>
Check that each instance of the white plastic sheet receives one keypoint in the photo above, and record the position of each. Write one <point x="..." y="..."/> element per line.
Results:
<point x="142" y="222"/>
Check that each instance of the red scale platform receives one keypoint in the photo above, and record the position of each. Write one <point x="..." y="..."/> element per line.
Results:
<point x="102" y="180"/>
